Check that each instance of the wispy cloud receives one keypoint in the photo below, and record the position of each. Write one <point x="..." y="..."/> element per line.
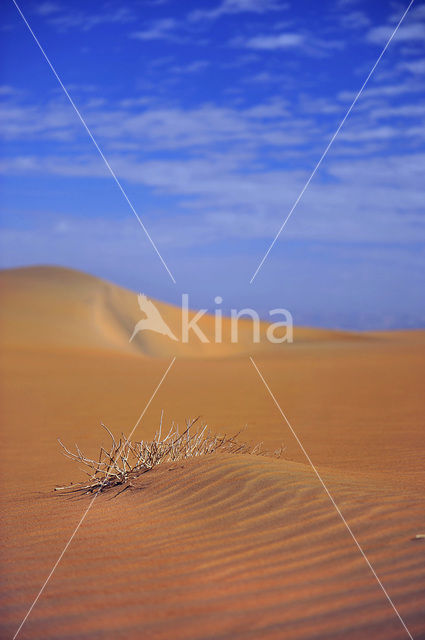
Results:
<point x="158" y="30"/>
<point x="354" y="20"/>
<point x="193" y="67"/>
<point x="382" y="91"/>
<point x="406" y="33"/>
<point x="303" y="43"/>
<point x="414" y="66"/>
<point x="215" y="139"/>
<point x="63" y="17"/>
<point x="47" y="8"/>
<point x="54" y="120"/>
<point x="228" y="7"/>
<point x="343" y="4"/>
<point x="276" y="41"/>
<point x="369" y="202"/>
<point x="7" y="90"/>
<point x="241" y="168"/>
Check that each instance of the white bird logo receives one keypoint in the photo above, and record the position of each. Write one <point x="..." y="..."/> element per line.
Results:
<point x="153" y="321"/>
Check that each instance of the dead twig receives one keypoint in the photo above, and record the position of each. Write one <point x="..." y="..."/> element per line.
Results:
<point x="126" y="460"/>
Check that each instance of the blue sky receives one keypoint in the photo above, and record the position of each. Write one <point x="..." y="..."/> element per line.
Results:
<point x="213" y="115"/>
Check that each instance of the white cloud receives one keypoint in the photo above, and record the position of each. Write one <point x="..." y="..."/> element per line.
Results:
<point x="234" y="171"/>
<point x="63" y="18"/>
<point x="6" y="90"/>
<point x="399" y="111"/>
<point x="279" y="41"/>
<point x="47" y="8"/>
<point x="381" y="91"/>
<point x="414" y="66"/>
<point x="227" y="7"/>
<point x="193" y="67"/>
<point x="406" y="33"/>
<point x="159" y="30"/>
<point x="346" y="3"/>
<point x="354" y="20"/>
<point x="160" y="128"/>
<point x="19" y="122"/>
<point x="362" y="134"/>
<point x="306" y="44"/>
<point x="417" y="12"/>
<point x="369" y="200"/>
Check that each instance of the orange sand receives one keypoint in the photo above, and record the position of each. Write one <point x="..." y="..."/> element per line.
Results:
<point x="222" y="547"/>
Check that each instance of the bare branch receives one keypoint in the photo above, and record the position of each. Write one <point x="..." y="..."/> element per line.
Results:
<point x="127" y="460"/>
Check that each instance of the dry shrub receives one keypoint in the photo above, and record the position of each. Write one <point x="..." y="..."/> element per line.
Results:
<point x="127" y="460"/>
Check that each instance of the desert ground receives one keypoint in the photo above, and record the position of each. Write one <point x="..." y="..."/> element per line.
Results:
<point x="220" y="547"/>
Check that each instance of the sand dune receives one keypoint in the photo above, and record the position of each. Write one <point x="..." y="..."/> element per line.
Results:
<point x="223" y="547"/>
<point x="58" y="307"/>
